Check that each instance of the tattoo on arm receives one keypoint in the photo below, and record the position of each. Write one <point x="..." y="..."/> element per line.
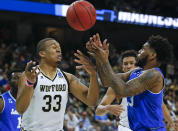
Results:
<point x="107" y="75"/>
<point x="74" y="79"/>
<point x="145" y="81"/>
<point x="102" y="77"/>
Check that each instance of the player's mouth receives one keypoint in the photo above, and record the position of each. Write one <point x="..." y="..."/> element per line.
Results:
<point x="59" y="57"/>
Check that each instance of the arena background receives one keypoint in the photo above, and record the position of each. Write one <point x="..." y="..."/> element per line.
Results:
<point x="21" y="29"/>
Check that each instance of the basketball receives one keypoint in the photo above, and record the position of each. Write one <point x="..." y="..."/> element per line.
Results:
<point x="81" y="15"/>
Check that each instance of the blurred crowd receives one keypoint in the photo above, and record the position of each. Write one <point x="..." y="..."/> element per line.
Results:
<point x="78" y="116"/>
<point x="156" y="7"/>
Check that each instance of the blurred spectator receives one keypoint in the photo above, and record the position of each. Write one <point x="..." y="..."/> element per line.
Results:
<point x="170" y="69"/>
<point x="70" y="120"/>
<point x="104" y="122"/>
<point x="85" y="122"/>
<point x="3" y="81"/>
<point x="3" y="50"/>
<point x="168" y="80"/>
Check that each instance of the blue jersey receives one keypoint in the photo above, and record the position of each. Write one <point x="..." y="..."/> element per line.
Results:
<point x="145" y="111"/>
<point x="10" y="120"/>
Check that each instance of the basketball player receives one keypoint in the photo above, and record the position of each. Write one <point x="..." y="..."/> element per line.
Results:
<point x="43" y="91"/>
<point x="143" y="87"/>
<point x="128" y="63"/>
<point x="10" y="119"/>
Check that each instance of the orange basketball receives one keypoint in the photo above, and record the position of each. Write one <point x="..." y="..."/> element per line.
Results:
<point x="81" y="15"/>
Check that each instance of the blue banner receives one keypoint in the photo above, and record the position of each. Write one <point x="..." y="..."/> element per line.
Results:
<point x="102" y="15"/>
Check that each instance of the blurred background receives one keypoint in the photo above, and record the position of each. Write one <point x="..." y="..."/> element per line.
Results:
<point x="24" y="23"/>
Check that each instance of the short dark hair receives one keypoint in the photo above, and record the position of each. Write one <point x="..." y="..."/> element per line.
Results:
<point x="162" y="47"/>
<point x="9" y="72"/>
<point x="41" y="45"/>
<point x="128" y="53"/>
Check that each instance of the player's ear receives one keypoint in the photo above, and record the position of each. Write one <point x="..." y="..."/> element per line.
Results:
<point x="42" y="54"/>
<point x="153" y="55"/>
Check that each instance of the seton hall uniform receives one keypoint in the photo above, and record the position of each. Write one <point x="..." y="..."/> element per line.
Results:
<point x="145" y="111"/>
<point x="10" y="120"/>
<point x="48" y="104"/>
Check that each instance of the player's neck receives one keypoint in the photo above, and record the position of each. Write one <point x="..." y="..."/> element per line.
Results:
<point x="13" y="93"/>
<point x="47" y="69"/>
<point x="151" y="65"/>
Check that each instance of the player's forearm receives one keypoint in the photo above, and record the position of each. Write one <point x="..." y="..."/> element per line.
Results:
<point x="93" y="91"/>
<point x="102" y="77"/>
<point x="101" y="110"/>
<point x="111" y="80"/>
<point x="23" y="99"/>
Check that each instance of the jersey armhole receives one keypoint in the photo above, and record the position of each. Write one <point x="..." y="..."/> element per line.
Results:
<point x="36" y="79"/>
<point x="163" y="88"/>
<point x="4" y="104"/>
<point x="66" y="80"/>
<point x="35" y="83"/>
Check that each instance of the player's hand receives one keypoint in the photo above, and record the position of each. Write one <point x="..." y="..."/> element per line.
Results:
<point x="31" y="73"/>
<point x="98" y="50"/>
<point x="86" y="63"/>
<point x="115" y="109"/>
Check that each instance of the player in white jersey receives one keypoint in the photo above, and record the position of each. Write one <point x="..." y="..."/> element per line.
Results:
<point x="43" y="90"/>
<point x="128" y="62"/>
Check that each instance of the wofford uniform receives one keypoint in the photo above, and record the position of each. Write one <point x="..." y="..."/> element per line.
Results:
<point x="48" y="104"/>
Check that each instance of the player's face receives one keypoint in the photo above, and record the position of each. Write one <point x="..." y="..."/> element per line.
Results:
<point x="128" y="63"/>
<point x="53" y="52"/>
<point x="14" y="80"/>
<point x="142" y="56"/>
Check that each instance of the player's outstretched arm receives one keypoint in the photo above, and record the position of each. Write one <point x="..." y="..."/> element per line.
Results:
<point x="149" y="79"/>
<point x="146" y="81"/>
<point x="90" y="95"/>
<point x="25" y="88"/>
<point x="87" y="95"/>
<point x="105" y="107"/>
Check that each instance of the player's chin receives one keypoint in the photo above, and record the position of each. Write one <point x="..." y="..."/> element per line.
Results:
<point x="58" y="62"/>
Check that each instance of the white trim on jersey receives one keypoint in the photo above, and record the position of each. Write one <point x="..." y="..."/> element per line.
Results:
<point x="11" y="96"/>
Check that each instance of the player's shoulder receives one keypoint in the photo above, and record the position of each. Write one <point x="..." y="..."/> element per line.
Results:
<point x="69" y="75"/>
<point x="154" y="71"/>
<point x="1" y="104"/>
<point x="153" y="74"/>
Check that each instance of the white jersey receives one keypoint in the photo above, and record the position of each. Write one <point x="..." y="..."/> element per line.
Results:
<point x="48" y="104"/>
<point x="124" y="115"/>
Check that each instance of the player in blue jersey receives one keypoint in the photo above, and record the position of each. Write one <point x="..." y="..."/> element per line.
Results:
<point x="10" y="119"/>
<point x="143" y="87"/>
